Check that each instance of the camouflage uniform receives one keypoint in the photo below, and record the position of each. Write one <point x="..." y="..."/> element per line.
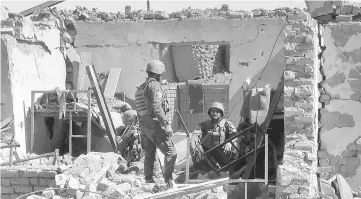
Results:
<point x="203" y="139"/>
<point x="153" y="135"/>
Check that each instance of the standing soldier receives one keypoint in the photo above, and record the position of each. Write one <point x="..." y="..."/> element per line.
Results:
<point x="156" y="129"/>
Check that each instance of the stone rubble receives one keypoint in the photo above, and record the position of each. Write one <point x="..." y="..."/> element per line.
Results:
<point x="79" y="175"/>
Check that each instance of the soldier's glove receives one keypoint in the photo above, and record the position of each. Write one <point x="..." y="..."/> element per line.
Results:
<point x="228" y="147"/>
<point x="168" y="130"/>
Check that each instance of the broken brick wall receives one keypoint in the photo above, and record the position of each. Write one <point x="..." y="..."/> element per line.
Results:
<point x="18" y="180"/>
<point x="340" y="135"/>
<point x="130" y="46"/>
<point x="296" y="175"/>
<point x="34" y="61"/>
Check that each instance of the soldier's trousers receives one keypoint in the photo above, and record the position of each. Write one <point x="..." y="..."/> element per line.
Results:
<point x="156" y="138"/>
<point x="219" y="156"/>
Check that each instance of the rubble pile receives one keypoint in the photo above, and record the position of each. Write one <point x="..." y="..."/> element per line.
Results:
<point x="108" y="174"/>
<point x="219" y="78"/>
<point x="208" y="59"/>
<point x="93" y="15"/>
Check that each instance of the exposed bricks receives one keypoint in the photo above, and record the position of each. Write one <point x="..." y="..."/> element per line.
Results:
<point x="297" y="175"/>
<point x="16" y="181"/>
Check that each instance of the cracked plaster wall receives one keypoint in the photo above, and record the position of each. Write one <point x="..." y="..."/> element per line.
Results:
<point x="34" y="61"/>
<point x="130" y="46"/>
<point x="340" y="134"/>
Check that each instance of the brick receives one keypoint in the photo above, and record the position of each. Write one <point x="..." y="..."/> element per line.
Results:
<point x="265" y="12"/>
<point x="349" y="154"/>
<point x="351" y="147"/>
<point x="10" y="174"/>
<point x="300" y="16"/>
<point x="304" y="190"/>
<point x="343" y="160"/>
<point x="335" y="160"/>
<point x="30" y="174"/>
<point x="257" y="12"/>
<point x="20" y="181"/>
<point x="47" y="174"/>
<point x="304" y="146"/>
<point x="325" y="175"/>
<point x="326" y="169"/>
<point x="5" y="181"/>
<point x="349" y="9"/>
<point x="5" y="196"/>
<point x="344" y="9"/>
<point x="353" y="161"/>
<point x="23" y="189"/>
<point x="323" y="162"/>
<point x="356" y="10"/>
<point x="34" y="181"/>
<point x="7" y="189"/>
<point x="323" y="154"/>
<point x="39" y="188"/>
<point x="304" y="46"/>
<point x="46" y="181"/>
<point x="235" y="14"/>
<point x="343" y="168"/>
<point x="343" y="18"/>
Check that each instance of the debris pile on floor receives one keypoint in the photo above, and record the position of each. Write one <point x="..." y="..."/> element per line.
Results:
<point x="108" y="174"/>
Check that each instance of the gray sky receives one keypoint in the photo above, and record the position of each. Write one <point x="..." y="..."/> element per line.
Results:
<point x="165" y="5"/>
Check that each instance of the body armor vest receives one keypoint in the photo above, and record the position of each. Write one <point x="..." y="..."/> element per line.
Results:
<point x="141" y="101"/>
<point x="216" y="135"/>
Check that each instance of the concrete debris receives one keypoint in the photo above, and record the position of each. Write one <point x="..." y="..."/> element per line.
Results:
<point x="86" y="167"/>
<point x="93" y="15"/>
<point x="219" y="78"/>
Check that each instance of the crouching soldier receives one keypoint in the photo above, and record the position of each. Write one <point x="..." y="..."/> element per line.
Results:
<point x="131" y="146"/>
<point x="209" y="134"/>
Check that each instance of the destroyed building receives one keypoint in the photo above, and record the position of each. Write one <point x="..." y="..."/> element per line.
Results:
<point x="210" y="55"/>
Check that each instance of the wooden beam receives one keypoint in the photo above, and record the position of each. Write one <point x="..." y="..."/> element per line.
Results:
<point x="199" y="187"/>
<point x="112" y="83"/>
<point x="39" y="7"/>
<point x="110" y="130"/>
<point x="83" y="81"/>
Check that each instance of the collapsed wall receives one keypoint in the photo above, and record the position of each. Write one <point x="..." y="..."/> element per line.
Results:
<point x="34" y="53"/>
<point x="339" y="75"/>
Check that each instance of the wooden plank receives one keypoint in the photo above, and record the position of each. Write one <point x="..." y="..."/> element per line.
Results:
<point x="30" y="11"/>
<point x="32" y="125"/>
<point x="112" y="83"/>
<point x="199" y="187"/>
<point x="110" y="130"/>
<point x="83" y="82"/>
<point x="7" y="122"/>
<point x="88" y="126"/>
